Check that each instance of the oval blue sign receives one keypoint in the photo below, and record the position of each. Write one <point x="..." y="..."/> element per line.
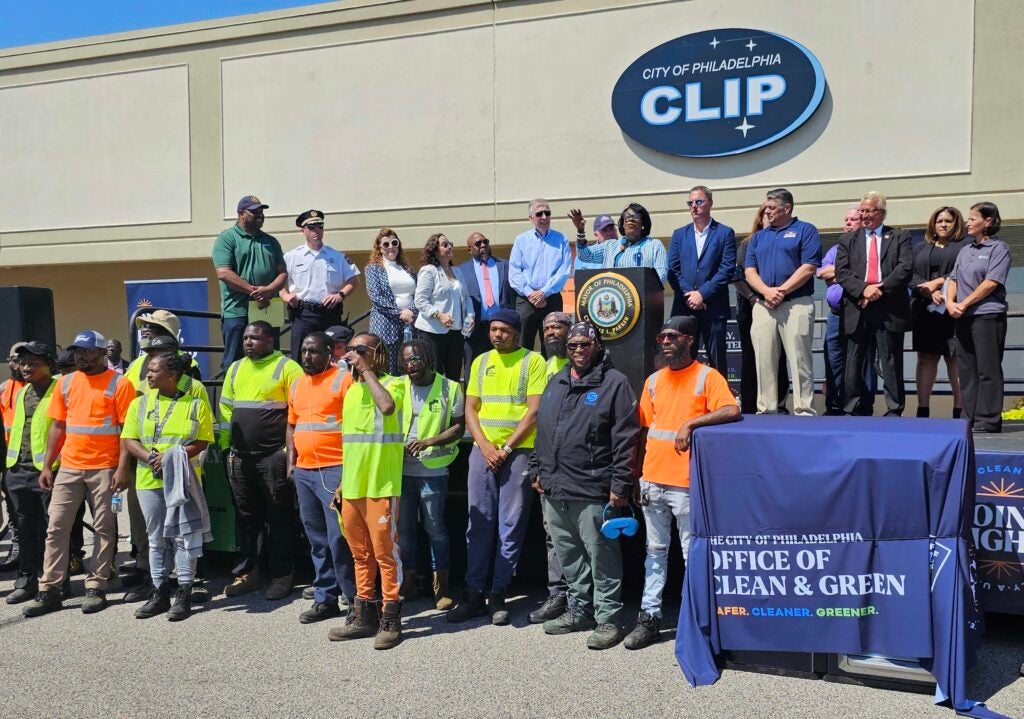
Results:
<point x="718" y="92"/>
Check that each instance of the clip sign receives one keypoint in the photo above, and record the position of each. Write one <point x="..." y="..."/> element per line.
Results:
<point x="718" y="92"/>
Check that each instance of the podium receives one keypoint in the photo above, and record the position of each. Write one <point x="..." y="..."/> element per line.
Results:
<point x="627" y="306"/>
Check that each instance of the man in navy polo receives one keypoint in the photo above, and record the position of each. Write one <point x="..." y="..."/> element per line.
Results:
<point x="701" y="261"/>
<point x="780" y="264"/>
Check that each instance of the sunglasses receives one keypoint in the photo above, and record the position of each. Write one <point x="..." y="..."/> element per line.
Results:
<point x="481" y="243"/>
<point x="542" y="213"/>
<point x="445" y="245"/>
<point x="669" y="337"/>
<point x="695" y="203"/>
<point x="388" y="244"/>
<point x="315" y="226"/>
<point x="573" y="346"/>
<point x="361" y="349"/>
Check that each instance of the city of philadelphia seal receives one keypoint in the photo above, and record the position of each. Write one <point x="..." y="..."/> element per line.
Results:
<point x="611" y="303"/>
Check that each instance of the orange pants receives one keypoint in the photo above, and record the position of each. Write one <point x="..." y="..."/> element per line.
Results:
<point x="371" y="529"/>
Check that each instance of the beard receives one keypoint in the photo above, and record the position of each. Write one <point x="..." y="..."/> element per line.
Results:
<point x="556" y="347"/>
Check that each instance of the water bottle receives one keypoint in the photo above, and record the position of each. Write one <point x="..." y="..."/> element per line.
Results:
<point x="116" y="502"/>
<point x="407" y="333"/>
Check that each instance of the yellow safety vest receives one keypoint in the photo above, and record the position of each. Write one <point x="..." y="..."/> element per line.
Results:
<point x="256" y="384"/>
<point x="434" y="418"/>
<point x="181" y="428"/>
<point x="555" y="365"/>
<point x="374" y="442"/>
<point x="38" y="429"/>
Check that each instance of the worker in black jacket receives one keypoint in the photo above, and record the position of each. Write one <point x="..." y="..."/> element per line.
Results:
<point x="585" y="458"/>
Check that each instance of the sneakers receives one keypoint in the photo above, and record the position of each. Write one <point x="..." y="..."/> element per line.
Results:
<point x="139" y="592"/>
<point x="95" y="601"/>
<point x="497" y="609"/>
<point x="45" y="602"/>
<point x="200" y="593"/>
<point x="390" y="633"/>
<point x="552" y="608"/>
<point x="25" y="587"/>
<point x="319" y="612"/>
<point x="442" y="599"/>
<point x="471" y="604"/>
<point x="645" y="633"/>
<point x="182" y="607"/>
<point x="280" y="587"/>
<point x="605" y="636"/>
<point x="159" y="602"/>
<point x="362" y="622"/>
<point x="243" y="584"/>
<point x="572" y="620"/>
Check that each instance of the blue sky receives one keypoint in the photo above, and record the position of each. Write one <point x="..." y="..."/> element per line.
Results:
<point x="27" y="22"/>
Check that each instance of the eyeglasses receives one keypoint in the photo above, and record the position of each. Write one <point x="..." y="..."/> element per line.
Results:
<point x="388" y="244"/>
<point x="695" y="203"/>
<point x="413" y="359"/>
<point x="542" y="213"/>
<point x="445" y="245"/>
<point x="574" y="346"/>
<point x="669" y="337"/>
<point x="482" y="243"/>
<point x="630" y="216"/>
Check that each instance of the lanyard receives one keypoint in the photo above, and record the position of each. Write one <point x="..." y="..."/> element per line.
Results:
<point x="159" y="425"/>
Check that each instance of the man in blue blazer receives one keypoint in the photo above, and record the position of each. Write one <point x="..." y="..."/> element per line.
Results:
<point x="494" y="285"/>
<point x="701" y="264"/>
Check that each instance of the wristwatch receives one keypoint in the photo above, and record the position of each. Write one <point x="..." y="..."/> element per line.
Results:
<point x="506" y="449"/>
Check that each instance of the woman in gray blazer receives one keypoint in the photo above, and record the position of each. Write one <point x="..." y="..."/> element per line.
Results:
<point x="445" y="310"/>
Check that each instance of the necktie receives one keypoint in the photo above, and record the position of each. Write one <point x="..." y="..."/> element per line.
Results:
<point x="488" y="290"/>
<point x="872" y="273"/>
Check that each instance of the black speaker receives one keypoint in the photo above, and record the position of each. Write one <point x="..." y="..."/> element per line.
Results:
<point x="26" y="314"/>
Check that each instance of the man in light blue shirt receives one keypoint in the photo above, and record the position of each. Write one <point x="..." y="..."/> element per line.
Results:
<point x="634" y="249"/>
<point x="538" y="269"/>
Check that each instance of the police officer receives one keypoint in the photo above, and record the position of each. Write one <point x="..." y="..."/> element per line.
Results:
<point x="319" y="279"/>
<point x="254" y="417"/>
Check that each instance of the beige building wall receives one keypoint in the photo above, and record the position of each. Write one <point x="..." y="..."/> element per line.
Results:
<point x="123" y="156"/>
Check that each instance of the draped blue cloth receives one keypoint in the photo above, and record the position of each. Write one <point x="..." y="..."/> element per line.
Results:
<point x="835" y="535"/>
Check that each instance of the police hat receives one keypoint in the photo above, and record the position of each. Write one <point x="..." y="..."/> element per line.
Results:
<point x="310" y="217"/>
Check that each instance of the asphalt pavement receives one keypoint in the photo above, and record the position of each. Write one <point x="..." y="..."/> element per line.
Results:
<point x="246" y="657"/>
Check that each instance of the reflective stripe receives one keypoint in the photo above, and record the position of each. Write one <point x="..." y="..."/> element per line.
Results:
<point x="661" y="434"/>
<point x="65" y="388"/>
<point x="698" y="388"/>
<point x="280" y="368"/>
<point x="112" y="385"/>
<point x="227" y="401"/>
<point x="104" y="429"/>
<point x="501" y="423"/>
<point x="336" y="384"/>
<point x="12" y="454"/>
<point x="232" y="373"/>
<point x="484" y="359"/>
<point x="256" y="404"/>
<point x="524" y="375"/>
<point x="374" y="438"/>
<point x="37" y="458"/>
<point x="443" y="451"/>
<point x="318" y="427"/>
<point x="651" y="382"/>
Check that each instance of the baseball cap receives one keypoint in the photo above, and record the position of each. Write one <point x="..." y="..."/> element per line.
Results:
<point x="509" y="317"/>
<point x="89" y="340"/>
<point x="162" y="318"/>
<point x="15" y="347"/>
<point x="602" y="221"/>
<point x="251" y="202"/>
<point x="310" y="217"/>
<point x="163" y="342"/>
<point x="339" y="332"/>
<point x="682" y="324"/>
<point x="35" y="347"/>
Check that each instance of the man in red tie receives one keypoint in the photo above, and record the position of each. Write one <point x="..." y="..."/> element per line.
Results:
<point x="486" y="280"/>
<point x="874" y="265"/>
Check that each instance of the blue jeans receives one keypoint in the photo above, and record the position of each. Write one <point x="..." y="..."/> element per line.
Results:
<point x="332" y="560"/>
<point x="423" y="497"/>
<point x="665" y="505"/>
<point x="164" y="552"/>
<point x="232" y="329"/>
<point x="499" y="512"/>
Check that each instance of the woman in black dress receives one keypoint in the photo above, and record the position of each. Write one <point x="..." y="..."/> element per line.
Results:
<point x="933" y="327"/>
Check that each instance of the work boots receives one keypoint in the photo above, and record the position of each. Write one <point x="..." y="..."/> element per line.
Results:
<point x="362" y="622"/>
<point x="409" y="591"/>
<point x="390" y="633"/>
<point x="159" y="602"/>
<point x="442" y="599"/>
<point x="182" y="607"/>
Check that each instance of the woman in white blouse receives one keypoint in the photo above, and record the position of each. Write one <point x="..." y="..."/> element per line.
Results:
<point x="445" y="310"/>
<point x="391" y="287"/>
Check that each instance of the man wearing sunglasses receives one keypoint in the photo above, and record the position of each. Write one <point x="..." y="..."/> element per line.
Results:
<point x="320" y="278"/>
<point x="486" y="279"/>
<point x="538" y="269"/>
<point x="701" y="264"/>
<point x="250" y="266"/>
<point x="587" y="434"/>
<point x="675" y="400"/>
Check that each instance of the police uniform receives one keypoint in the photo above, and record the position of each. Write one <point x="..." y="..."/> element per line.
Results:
<point x="312" y="276"/>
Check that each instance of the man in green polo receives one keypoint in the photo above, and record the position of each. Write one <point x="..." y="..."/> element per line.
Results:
<point x="250" y="266"/>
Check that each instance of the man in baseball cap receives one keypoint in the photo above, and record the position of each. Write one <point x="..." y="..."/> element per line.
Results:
<point x="604" y="228"/>
<point x="250" y="266"/>
<point x="89" y="340"/>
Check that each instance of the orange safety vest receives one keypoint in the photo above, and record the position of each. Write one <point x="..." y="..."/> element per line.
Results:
<point x="94" y="417"/>
<point x="8" y="393"/>
<point x="314" y="409"/>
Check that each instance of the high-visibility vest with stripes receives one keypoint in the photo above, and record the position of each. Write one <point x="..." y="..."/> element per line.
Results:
<point x="317" y="430"/>
<point x="107" y="426"/>
<point x="669" y="435"/>
<point x="136" y="371"/>
<point x="8" y="393"/>
<point x="434" y="418"/>
<point x="249" y="384"/>
<point x="555" y="365"/>
<point x="39" y="427"/>
<point x="500" y="411"/>
<point x="374" y="442"/>
<point x="181" y="428"/>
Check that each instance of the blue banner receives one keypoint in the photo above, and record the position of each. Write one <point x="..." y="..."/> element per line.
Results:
<point x="841" y="535"/>
<point x="189" y="294"/>
<point x="999" y="530"/>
